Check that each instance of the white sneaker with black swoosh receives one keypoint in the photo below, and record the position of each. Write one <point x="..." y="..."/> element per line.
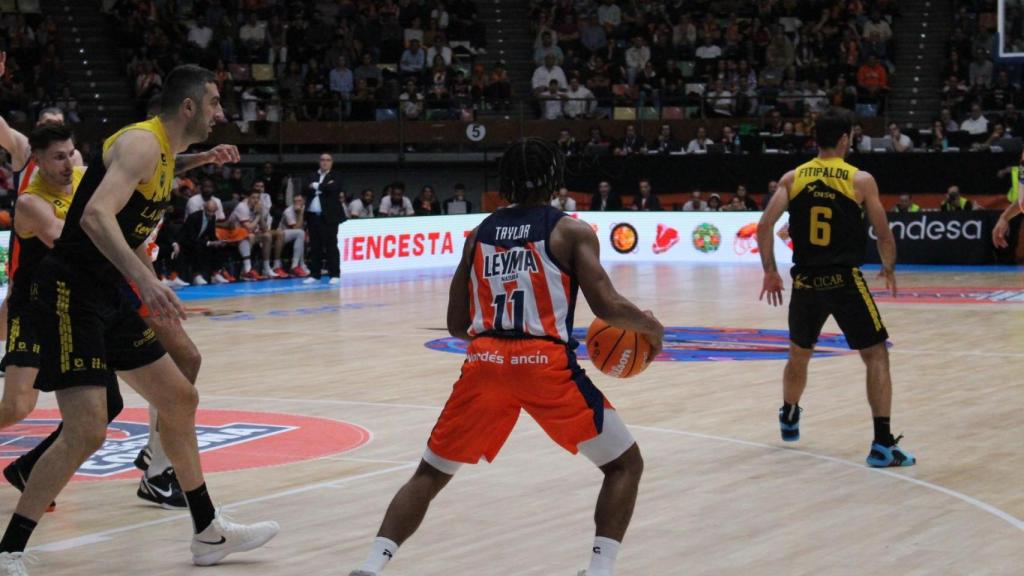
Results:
<point x="223" y="537"/>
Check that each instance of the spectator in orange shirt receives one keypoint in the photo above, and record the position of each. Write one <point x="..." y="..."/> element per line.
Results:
<point x="872" y="77"/>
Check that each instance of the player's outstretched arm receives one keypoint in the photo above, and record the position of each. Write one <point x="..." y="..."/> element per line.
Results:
<point x="458" y="293"/>
<point x="772" y="284"/>
<point x="220" y="155"/>
<point x="16" y="145"/>
<point x="867" y="189"/>
<point x="605" y="301"/>
<point x="1003" y="225"/>
<point x="11" y="140"/>
<point x="130" y="161"/>
<point x="35" y="216"/>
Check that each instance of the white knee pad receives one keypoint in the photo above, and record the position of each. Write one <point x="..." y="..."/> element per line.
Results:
<point x="442" y="464"/>
<point x="612" y="442"/>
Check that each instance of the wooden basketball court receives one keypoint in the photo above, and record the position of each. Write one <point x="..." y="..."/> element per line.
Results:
<point x="722" y="495"/>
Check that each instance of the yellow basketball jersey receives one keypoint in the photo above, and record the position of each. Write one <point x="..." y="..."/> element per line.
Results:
<point x="158" y="187"/>
<point x="54" y="195"/>
<point x="826" y="222"/>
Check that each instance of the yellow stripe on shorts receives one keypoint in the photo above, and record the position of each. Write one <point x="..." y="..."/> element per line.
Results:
<point x="858" y="278"/>
<point x="66" y="343"/>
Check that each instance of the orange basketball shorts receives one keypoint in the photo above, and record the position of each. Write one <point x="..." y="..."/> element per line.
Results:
<point x="503" y="376"/>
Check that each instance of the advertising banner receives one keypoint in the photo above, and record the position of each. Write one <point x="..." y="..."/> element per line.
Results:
<point x="437" y="241"/>
<point x="940" y="237"/>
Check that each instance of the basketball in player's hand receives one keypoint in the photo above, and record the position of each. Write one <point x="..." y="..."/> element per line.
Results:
<point x="617" y="352"/>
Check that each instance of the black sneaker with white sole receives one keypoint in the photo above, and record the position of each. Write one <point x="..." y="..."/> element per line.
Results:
<point x="163" y="490"/>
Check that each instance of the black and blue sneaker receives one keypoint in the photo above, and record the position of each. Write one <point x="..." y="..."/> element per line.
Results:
<point x="892" y="456"/>
<point x="789" y="424"/>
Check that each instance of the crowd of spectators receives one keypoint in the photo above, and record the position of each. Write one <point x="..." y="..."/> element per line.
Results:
<point x="980" y="99"/>
<point x="33" y="76"/>
<point x="606" y="199"/>
<point x="310" y="61"/>
<point x="725" y="58"/>
<point x="226" y="224"/>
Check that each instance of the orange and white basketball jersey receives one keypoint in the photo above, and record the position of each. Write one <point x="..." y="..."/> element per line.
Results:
<point x="517" y="287"/>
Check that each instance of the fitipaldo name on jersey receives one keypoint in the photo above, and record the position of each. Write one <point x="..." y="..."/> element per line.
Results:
<point x="402" y="245"/>
<point x="824" y="172"/>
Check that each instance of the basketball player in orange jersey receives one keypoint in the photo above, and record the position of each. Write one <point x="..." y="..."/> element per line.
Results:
<point x="827" y="200"/>
<point x="90" y="330"/>
<point x="513" y="298"/>
<point x="158" y="483"/>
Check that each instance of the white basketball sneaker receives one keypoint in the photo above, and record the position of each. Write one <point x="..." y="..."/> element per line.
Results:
<point x="13" y="563"/>
<point x="223" y="537"/>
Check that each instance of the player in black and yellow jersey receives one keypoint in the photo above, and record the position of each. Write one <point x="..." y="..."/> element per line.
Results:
<point x="827" y="201"/>
<point x="89" y="328"/>
<point x="38" y="222"/>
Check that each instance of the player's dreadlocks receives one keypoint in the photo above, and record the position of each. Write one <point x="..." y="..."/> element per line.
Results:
<point x="530" y="171"/>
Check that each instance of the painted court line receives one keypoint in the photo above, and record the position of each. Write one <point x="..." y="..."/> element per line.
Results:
<point x="1005" y="516"/>
<point x="96" y="537"/>
<point x="89" y="539"/>
<point x="1002" y="515"/>
<point x="320" y="401"/>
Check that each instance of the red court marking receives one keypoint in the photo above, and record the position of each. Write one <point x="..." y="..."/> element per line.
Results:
<point x="285" y="438"/>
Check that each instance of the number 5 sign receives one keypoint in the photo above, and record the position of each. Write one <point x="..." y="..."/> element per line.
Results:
<point x="476" y="132"/>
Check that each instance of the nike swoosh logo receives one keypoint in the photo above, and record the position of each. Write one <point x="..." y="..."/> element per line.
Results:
<point x="222" y="540"/>
<point x="165" y="493"/>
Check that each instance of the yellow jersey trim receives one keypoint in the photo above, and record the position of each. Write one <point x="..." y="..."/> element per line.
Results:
<point x="833" y="172"/>
<point x="158" y="186"/>
<point x="54" y="195"/>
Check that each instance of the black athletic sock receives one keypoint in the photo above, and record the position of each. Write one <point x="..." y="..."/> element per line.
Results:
<point x="27" y="461"/>
<point x="201" y="508"/>
<point x="17" y="535"/>
<point x="882" y="434"/>
<point x="791" y="412"/>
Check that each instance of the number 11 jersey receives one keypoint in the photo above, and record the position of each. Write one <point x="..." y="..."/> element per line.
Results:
<point x="517" y="288"/>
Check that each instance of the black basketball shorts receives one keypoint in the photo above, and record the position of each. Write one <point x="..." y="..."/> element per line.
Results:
<point x="88" y="328"/>
<point x="22" y="339"/>
<point x="839" y="292"/>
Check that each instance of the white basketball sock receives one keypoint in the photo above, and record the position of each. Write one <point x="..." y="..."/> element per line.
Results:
<point x="158" y="462"/>
<point x="602" y="562"/>
<point x="382" y="551"/>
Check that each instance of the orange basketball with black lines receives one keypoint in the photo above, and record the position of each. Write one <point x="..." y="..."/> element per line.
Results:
<point x="617" y="352"/>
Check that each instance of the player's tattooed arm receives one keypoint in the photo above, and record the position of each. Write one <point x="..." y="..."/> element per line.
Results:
<point x="220" y="155"/>
<point x="772" y="285"/>
<point x="458" y="293"/>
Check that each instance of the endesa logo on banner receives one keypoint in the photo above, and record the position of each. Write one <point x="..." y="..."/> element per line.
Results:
<point x="934" y="229"/>
<point x="381" y="244"/>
